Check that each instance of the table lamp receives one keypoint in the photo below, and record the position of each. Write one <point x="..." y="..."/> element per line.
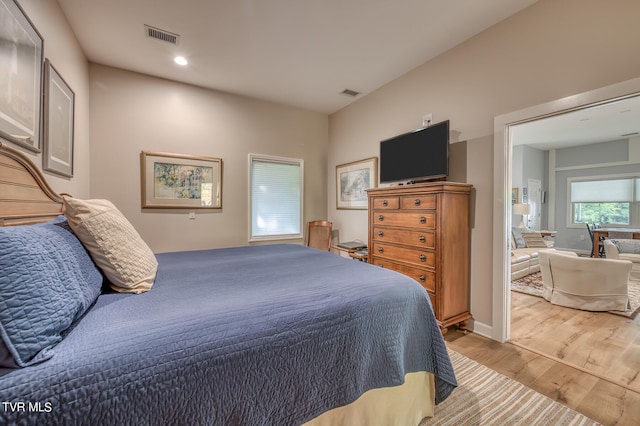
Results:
<point x="522" y="210"/>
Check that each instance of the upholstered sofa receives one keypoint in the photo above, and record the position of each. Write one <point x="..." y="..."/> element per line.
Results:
<point x="583" y="282"/>
<point x="623" y="249"/>
<point x="524" y="252"/>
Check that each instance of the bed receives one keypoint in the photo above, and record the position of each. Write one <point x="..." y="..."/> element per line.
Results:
<point x="262" y="335"/>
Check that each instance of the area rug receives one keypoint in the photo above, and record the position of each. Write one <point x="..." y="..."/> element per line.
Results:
<point x="486" y="397"/>
<point x="532" y="284"/>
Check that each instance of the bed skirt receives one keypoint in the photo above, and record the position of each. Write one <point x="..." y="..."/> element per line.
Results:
<point x="406" y="404"/>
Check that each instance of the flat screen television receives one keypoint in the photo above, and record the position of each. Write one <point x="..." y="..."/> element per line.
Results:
<point x="416" y="156"/>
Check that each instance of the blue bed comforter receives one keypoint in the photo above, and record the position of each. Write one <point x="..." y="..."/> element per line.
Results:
<point x="264" y="335"/>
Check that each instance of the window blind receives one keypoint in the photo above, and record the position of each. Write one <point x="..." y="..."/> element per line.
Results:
<point x="603" y="191"/>
<point x="276" y="197"/>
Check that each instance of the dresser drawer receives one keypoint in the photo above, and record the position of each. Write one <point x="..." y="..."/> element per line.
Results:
<point x="407" y="219"/>
<point x="417" y="238"/>
<point x="418" y="202"/>
<point x="421" y="258"/>
<point x="386" y="203"/>
<point x="426" y="278"/>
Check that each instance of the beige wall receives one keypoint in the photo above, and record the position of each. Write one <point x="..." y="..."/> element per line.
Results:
<point x="132" y="112"/>
<point x="553" y="49"/>
<point x="65" y="54"/>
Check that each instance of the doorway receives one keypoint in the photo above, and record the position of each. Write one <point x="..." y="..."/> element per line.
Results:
<point x="503" y="184"/>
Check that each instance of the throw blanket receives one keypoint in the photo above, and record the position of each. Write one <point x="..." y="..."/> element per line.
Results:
<point x="271" y="335"/>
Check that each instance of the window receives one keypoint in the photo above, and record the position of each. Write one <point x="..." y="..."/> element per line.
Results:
<point x="605" y="201"/>
<point x="275" y="186"/>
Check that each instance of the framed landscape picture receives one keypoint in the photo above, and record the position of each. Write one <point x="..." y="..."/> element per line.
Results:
<point x="176" y="181"/>
<point x="352" y="181"/>
<point x="20" y="77"/>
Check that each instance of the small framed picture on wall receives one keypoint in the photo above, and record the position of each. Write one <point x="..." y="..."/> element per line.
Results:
<point x="59" y="102"/>
<point x="352" y="181"/>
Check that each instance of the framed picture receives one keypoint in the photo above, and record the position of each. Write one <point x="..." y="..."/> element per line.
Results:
<point x="180" y="181"/>
<point x="352" y="181"/>
<point x="514" y="196"/>
<point x="59" y="101"/>
<point x="21" y="50"/>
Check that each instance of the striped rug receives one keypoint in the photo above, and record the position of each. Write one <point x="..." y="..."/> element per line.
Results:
<point x="486" y="397"/>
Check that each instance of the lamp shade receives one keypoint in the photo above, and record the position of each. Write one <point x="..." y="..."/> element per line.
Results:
<point x="521" y="209"/>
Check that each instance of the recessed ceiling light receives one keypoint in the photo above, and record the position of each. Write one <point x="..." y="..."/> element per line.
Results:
<point x="180" y="60"/>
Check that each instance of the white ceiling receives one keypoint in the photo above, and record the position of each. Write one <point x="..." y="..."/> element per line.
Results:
<point x="614" y="120"/>
<point x="297" y="52"/>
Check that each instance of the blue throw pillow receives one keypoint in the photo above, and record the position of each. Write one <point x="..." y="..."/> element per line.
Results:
<point x="47" y="281"/>
<point x="519" y="239"/>
<point x="627" y="246"/>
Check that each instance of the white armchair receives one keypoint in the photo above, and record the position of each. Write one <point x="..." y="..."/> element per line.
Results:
<point x="585" y="283"/>
<point x="624" y="249"/>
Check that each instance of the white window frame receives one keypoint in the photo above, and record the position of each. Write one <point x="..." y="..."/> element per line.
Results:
<point x="634" y="205"/>
<point x="282" y="160"/>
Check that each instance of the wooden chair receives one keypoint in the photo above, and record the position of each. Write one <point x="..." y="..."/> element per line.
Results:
<point x="600" y="246"/>
<point x="319" y="234"/>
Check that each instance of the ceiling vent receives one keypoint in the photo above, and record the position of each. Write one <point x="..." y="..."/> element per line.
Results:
<point x="349" y="92"/>
<point x="162" y="35"/>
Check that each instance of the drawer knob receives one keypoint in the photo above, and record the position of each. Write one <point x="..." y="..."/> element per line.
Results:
<point x="385" y="202"/>
<point x="380" y="218"/>
<point x="422" y="278"/>
<point x="423" y="220"/>
<point x="416" y="202"/>
<point x="380" y="249"/>
<point x="423" y="258"/>
<point x="422" y="238"/>
<point x="380" y="234"/>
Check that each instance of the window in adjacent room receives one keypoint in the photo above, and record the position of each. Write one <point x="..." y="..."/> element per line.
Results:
<point x="605" y="201"/>
<point x="275" y="187"/>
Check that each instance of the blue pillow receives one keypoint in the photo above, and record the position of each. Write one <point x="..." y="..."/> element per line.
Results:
<point x="627" y="246"/>
<point x="47" y="282"/>
<point x="519" y="239"/>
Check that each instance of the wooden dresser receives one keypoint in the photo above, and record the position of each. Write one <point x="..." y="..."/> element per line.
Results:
<point x="423" y="231"/>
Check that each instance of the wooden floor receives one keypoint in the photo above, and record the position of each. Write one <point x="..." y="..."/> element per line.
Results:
<point x="604" y="344"/>
<point x="605" y="349"/>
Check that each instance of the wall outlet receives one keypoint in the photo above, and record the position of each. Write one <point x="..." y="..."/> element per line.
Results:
<point x="582" y="238"/>
<point x="427" y="120"/>
<point x="192" y="215"/>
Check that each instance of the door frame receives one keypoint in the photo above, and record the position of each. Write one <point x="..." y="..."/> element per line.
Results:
<point x="502" y="151"/>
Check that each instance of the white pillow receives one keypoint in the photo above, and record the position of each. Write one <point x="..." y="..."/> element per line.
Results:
<point x="113" y="243"/>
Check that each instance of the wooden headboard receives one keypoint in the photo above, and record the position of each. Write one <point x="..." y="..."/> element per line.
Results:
<point x="25" y="196"/>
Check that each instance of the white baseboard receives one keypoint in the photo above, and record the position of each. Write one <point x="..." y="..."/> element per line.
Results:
<point x="481" y="329"/>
